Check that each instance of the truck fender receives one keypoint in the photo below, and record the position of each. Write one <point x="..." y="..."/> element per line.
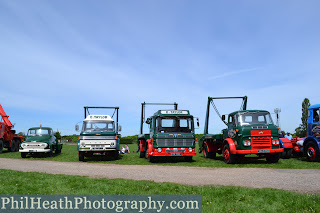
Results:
<point x="310" y="139"/>
<point x="210" y="147"/>
<point x="149" y="147"/>
<point x="286" y="143"/>
<point x="142" y="145"/>
<point x="232" y="145"/>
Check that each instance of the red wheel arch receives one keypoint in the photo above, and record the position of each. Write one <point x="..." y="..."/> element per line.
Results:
<point x="232" y="145"/>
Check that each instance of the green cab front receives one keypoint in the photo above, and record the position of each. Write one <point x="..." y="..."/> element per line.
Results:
<point x="40" y="140"/>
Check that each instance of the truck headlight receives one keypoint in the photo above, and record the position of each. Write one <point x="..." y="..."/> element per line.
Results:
<point x="23" y="145"/>
<point x="190" y="149"/>
<point x="275" y="142"/>
<point x="246" y="143"/>
<point x="159" y="150"/>
<point x="44" y="145"/>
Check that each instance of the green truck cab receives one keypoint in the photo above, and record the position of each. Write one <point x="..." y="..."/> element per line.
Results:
<point x="171" y="134"/>
<point x="40" y="140"/>
<point x="248" y="132"/>
<point x="99" y="135"/>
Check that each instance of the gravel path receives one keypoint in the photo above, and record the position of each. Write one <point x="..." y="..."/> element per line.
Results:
<point x="299" y="180"/>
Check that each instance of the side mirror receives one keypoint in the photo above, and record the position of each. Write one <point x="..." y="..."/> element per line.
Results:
<point x="119" y="128"/>
<point x="223" y="117"/>
<point x="77" y="127"/>
<point x="148" y="121"/>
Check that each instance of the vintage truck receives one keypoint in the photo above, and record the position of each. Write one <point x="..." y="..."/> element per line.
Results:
<point x="99" y="135"/>
<point x="171" y="134"/>
<point x="40" y="140"/>
<point x="248" y="132"/>
<point x="310" y="145"/>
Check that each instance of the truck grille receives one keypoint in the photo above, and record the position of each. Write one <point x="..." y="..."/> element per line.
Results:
<point x="175" y="135"/>
<point x="175" y="142"/>
<point x="261" y="142"/>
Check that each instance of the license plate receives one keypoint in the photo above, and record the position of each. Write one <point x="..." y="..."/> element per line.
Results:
<point x="263" y="151"/>
<point x="175" y="154"/>
<point x="32" y="150"/>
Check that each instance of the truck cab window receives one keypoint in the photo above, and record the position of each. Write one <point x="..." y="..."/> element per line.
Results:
<point x="316" y="115"/>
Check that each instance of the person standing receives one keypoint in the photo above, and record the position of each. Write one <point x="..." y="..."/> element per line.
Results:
<point x="288" y="136"/>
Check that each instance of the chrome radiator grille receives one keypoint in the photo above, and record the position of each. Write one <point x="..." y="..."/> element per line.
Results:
<point x="175" y="142"/>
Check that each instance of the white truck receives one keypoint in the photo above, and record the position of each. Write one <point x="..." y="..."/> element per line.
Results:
<point x="99" y="135"/>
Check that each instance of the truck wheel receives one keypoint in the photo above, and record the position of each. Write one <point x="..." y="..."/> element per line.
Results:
<point x="13" y="146"/>
<point x="1" y="146"/>
<point x="227" y="156"/>
<point x="207" y="154"/>
<point x="188" y="158"/>
<point x="116" y="155"/>
<point x="81" y="156"/>
<point x="23" y="154"/>
<point x="313" y="154"/>
<point x="142" y="154"/>
<point x="57" y="150"/>
<point x="273" y="158"/>
<point x="288" y="153"/>
<point x="150" y="159"/>
<point x="50" y="153"/>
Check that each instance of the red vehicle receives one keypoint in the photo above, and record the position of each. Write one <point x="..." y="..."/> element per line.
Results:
<point x="8" y="138"/>
<point x="292" y="147"/>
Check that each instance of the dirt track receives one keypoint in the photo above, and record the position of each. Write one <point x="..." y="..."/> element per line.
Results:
<point x="299" y="180"/>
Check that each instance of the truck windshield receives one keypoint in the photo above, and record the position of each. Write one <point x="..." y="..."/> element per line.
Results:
<point x="98" y="126"/>
<point x="248" y="118"/>
<point x="174" y="124"/>
<point x="38" y="132"/>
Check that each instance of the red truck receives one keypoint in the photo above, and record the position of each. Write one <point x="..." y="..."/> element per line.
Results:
<point x="8" y="138"/>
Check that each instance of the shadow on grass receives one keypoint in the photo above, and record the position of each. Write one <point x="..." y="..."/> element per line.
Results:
<point x="99" y="158"/>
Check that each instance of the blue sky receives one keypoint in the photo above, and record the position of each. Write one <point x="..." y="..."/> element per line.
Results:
<point x="58" y="56"/>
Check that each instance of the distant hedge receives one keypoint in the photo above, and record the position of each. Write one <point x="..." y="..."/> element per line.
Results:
<point x="129" y="139"/>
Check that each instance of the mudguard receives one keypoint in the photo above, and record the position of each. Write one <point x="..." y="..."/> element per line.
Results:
<point x="232" y="145"/>
<point x="286" y="143"/>
<point x="210" y="147"/>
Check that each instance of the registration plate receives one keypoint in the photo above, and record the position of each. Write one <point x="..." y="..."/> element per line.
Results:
<point x="31" y="150"/>
<point x="263" y="151"/>
<point x="175" y="154"/>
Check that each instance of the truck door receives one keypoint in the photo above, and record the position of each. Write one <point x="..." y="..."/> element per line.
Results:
<point x="315" y="125"/>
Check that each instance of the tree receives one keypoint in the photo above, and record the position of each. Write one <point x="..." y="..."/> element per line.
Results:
<point x="302" y="130"/>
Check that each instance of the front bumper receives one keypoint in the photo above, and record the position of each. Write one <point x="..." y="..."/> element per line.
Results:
<point x="256" y="151"/>
<point x="173" y="152"/>
<point x="35" y="150"/>
<point x="97" y="145"/>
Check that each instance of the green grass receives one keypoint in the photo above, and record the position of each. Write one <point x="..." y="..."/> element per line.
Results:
<point x="70" y="154"/>
<point x="215" y="198"/>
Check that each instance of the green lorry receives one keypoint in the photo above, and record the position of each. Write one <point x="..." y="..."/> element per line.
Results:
<point x="40" y="140"/>
<point x="171" y="134"/>
<point x="248" y="132"/>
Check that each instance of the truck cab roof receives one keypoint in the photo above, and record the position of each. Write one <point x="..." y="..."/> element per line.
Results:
<point x="315" y="106"/>
<point x="98" y="118"/>
<point x="40" y="127"/>
<point x="172" y="112"/>
<point x="240" y="111"/>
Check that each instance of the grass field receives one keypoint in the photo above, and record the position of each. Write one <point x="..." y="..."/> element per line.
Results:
<point x="70" y="154"/>
<point x="214" y="198"/>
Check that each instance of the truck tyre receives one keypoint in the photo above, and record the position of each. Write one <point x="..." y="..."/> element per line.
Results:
<point x="188" y="158"/>
<point x="142" y="154"/>
<point x="116" y="155"/>
<point x="312" y="151"/>
<point x="286" y="154"/>
<point x="58" y="150"/>
<point x="227" y="156"/>
<point x="81" y="156"/>
<point x="150" y="159"/>
<point x="23" y="154"/>
<point x="273" y="158"/>
<point x="50" y="153"/>
<point x="207" y="154"/>
<point x="13" y="146"/>
<point x="1" y="146"/>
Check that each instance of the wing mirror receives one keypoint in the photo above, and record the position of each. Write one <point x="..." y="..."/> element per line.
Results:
<point x="119" y="128"/>
<point x="223" y="117"/>
<point x="77" y="127"/>
<point x="148" y="121"/>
